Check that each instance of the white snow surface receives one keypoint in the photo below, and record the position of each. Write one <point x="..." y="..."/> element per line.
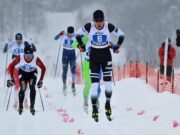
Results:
<point x="136" y="110"/>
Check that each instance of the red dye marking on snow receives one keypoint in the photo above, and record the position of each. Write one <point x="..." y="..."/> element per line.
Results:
<point x="60" y="110"/>
<point x="64" y="111"/>
<point x="65" y="114"/>
<point x="141" y="113"/>
<point x="80" y="132"/>
<point x="175" y="124"/>
<point x="71" y="120"/>
<point x="66" y="118"/>
<point x="155" y="117"/>
<point x="128" y="109"/>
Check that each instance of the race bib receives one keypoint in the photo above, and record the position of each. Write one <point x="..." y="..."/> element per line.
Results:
<point x="27" y="68"/>
<point x="68" y="42"/>
<point x="18" y="51"/>
<point x="99" y="39"/>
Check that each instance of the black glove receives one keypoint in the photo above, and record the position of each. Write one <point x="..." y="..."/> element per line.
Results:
<point x="40" y="83"/>
<point x="82" y="48"/>
<point x="116" y="48"/>
<point x="10" y="83"/>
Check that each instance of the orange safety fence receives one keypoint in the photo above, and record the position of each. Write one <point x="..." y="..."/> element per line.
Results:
<point x="143" y="71"/>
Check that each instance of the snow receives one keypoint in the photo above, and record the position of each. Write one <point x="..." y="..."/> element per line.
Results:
<point x="136" y="110"/>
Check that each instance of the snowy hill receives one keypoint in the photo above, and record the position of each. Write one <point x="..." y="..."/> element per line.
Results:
<point x="136" y="110"/>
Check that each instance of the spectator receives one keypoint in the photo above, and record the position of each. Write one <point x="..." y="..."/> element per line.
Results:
<point x="171" y="55"/>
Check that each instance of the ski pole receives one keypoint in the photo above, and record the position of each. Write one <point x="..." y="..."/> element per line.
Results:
<point x="9" y="99"/>
<point x="58" y="58"/>
<point x="41" y="99"/>
<point x="5" y="69"/>
<point x="113" y="77"/>
<point x="7" y="90"/>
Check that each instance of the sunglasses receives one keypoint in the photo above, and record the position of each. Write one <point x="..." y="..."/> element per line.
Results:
<point x="70" y="34"/>
<point x="29" y="55"/>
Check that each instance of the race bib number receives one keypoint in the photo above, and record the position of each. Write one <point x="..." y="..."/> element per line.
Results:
<point x="68" y="42"/>
<point x="27" y="68"/>
<point x="100" y="39"/>
<point x="18" y="51"/>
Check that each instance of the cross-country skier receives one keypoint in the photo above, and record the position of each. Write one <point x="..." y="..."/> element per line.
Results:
<point x="68" y="56"/>
<point x="17" y="47"/>
<point x="99" y="32"/>
<point x="27" y="69"/>
<point x="86" y="71"/>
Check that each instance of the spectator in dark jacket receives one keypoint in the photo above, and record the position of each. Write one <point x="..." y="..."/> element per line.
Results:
<point x="178" y="37"/>
<point x="170" y="56"/>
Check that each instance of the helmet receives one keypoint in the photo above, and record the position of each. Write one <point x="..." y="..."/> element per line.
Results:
<point x="98" y="16"/>
<point x="18" y="36"/>
<point x="28" y="49"/>
<point x="70" y="30"/>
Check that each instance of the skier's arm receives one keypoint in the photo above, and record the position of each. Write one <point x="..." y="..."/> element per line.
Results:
<point x="42" y="67"/>
<point x="83" y="31"/>
<point x="117" y="32"/>
<point x="59" y="35"/>
<point x="12" y="65"/>
<point x="84" y="41"/>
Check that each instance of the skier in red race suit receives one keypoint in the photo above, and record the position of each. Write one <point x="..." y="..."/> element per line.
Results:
<point x="27" y="70"/>
<point x="171" y="55"/>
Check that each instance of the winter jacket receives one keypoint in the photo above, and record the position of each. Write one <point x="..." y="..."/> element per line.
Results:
<point x="170" y="57"/>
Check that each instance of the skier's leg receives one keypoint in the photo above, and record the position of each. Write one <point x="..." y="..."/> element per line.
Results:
<point x="32" y="84"/>
<point x="23" y="85"/>
<point x="99" y="86"/>
<point x="87" y="85"/>
<point x="16" y="88"/>
<point x="107" y="73"/>
<point x="27" y="95"/>
<point x="65" y="68"/>
<point x="16" y="96"/>
<point x="73" y="66"/>
<point x="95" y="69"/>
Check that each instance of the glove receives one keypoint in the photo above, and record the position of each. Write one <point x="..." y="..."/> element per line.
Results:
<point x="40" y="83"/>
<point x="58" y="35"/>
<point x="61" y="33"/>
<point x="116" y="48"/>
<point x="10" y="83"/>
<point x="82" y="48"/>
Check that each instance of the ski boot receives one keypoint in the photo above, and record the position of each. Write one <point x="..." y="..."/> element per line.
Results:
<point x="20" y="109"/>
<point x="32" y="110"/>
<point x="64" y="90"/>
<point x="108" y="110"/>
<point x="95" y="113"/>
<point x="85" y="105"/>
<point x="73" y="89"/>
